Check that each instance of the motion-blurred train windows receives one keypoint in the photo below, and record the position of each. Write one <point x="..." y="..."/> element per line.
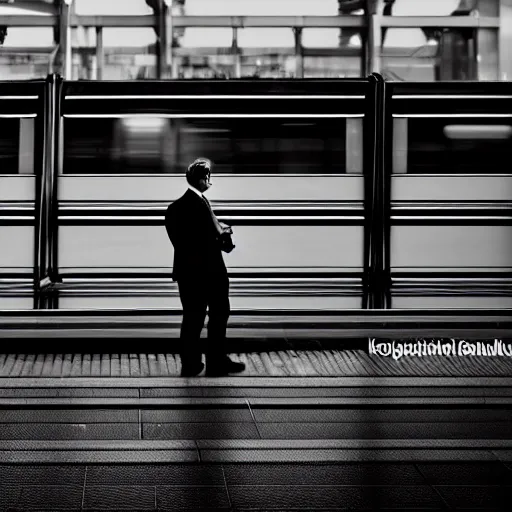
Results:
<point x="236" y="145"/>
<point x="9" y="145"/>
<point x="458" y="146"/>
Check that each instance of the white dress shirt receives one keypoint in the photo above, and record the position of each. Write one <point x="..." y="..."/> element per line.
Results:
<point x="218" y="225"/>
<point x="196" y="191"/>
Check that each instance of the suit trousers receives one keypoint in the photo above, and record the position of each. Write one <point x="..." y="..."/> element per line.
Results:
<point x="198" y="294"/>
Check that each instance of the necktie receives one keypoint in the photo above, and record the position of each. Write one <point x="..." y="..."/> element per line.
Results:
<point x="216" y="222"/>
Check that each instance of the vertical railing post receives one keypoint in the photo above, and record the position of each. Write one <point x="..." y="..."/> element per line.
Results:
<point x="237" y="58"/>
<point x="374" y="39"/>
<point x="65" y="39"/>
<point x="299" y="53"/>
<point x="100" y="54"/>
<point x="46" y="227"/>
<point x="165" y="39"/>
<point x="370" y="174"/>
<point x="386" y="158"/>
<point x="376" y="283"/>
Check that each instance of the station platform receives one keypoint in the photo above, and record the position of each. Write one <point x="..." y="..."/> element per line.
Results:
<point x="325" y="429"/>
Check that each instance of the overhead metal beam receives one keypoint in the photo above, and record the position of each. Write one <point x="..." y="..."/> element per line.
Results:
<point x="16" y="50"/>
<point x="260" y="52"/>
<point x="270" y="21"/>
<point x="440" y="21"/>
<point x="27" y="20"/>
<point x="17" y="20"/>
<point x="205" y="51"/>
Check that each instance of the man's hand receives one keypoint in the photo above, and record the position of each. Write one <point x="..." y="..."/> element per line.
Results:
<point x="225" y="228"/>
<point x="226" y="242"/>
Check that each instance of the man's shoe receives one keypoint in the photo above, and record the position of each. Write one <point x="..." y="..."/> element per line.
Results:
<point x="224" y="368"/>
<point x="192" y="370"/>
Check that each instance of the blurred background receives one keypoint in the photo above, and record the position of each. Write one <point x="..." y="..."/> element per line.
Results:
<point x="413" y="40"/>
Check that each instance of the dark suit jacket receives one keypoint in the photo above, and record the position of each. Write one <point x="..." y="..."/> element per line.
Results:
<point x="197" y="250"/>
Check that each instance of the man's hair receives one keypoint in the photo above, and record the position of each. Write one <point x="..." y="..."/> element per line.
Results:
<point x="200" y="168"/>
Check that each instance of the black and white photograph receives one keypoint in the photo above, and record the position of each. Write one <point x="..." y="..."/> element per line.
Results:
<point x="255" y="255"/>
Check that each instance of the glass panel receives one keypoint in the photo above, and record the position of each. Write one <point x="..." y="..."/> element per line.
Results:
<point x="112" y="7"/>
<point x="425" y="8"/>
<point x="206" y="66"/>
<point x="29" y="37"/>
<point x="26" y="53"/>
<point x="9" y="145"/>
<point x="488" y="55"/>
<point x="407" y="54"/>
<point x="251" y="146"/>
<point x="265" y="38"/>
<point x="129" y="53"/>
<point x="268" y="65"/>
<point x="430" y="54"/>
<point x="208" y="37"/>
<point x="441" y="7"/>
<point x="261" y="8"/>
<point x="337" y="53"/>
<point x="332" y="67"/>
<point x="460" y="146"/>
<point x="321" y="37"/>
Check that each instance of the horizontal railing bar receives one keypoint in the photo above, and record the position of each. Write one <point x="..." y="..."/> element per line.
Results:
<point x="440" y="21"/>
<point x="213" y="96"/>
<point x="18" y="97"/>
<point x="162" y="206"/>
<point x="297" y="315"/>
<point x="256" y="21"/>
<point x="449" y="280"/>
<point x="188" y="21"/>
<point x="450" y="207"/>
<point x="459" y="115"/>
<point x="364" y="312"/>
<point x="220" y="217"/>
<point x="451" y="96"/>
<point x="114" y="115"/>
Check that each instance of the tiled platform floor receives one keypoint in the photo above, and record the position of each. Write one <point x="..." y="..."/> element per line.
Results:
<point x="197" y="423"/>
<point x="244" y="487"/>
<point x="100" y="432"/>
<point x="285" y="363"/>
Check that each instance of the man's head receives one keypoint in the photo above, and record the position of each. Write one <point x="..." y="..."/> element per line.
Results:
<point x="198" y="174"/>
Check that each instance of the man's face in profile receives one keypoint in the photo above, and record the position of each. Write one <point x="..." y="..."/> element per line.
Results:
<point x="205" y="183"/>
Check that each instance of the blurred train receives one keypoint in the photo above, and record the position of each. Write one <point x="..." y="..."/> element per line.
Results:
<point x="343" y="194"/>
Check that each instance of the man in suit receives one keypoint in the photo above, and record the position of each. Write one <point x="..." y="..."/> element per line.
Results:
<point x="198" y="239"/>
